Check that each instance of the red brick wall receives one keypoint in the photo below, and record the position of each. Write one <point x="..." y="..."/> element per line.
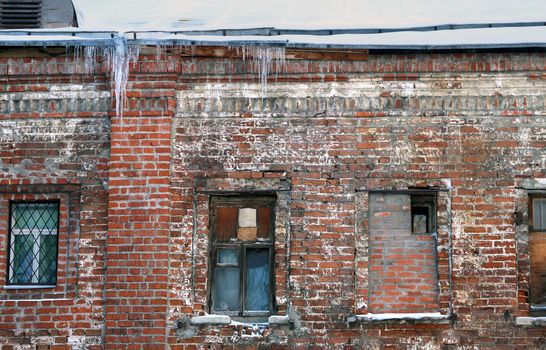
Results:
<point x="138" y="216"/>
<point x="324" y="135"/>
<point x="139" y="207"/>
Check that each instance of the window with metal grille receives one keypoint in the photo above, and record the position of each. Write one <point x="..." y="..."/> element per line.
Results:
<point x="18" y="14"/>
<point x="241" y="276"/>
<point x="33" y="243"/>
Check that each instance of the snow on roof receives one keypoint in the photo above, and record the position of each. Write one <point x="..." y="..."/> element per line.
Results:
<point x="169" y="15"/>
<point x="366" y="24"/>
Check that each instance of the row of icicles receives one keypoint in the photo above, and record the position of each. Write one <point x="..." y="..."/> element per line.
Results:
<point x="264" y="60"/>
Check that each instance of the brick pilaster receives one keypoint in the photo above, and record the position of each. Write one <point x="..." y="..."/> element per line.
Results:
<point x="138" y="225"/>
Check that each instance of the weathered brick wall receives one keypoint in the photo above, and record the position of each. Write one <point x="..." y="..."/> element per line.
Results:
<point x="323" y="136"/>
<point x="471" y="125"/>
<point x="54" y="144"/>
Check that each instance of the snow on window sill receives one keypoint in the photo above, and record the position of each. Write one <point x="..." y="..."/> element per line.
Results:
<point x="281" y="320"/>
<point x="226" y="320"/>
<point x="425" y="317"/>
<point x="31" y="286"/>
<point x="530" y="321"/>
<point x="210" y="319"/>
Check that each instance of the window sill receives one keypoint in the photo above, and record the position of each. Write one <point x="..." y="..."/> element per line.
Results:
<point x="16" y="286"/>
<point x="538" y="308"/>
<point x="530" y="321"/>
<point x="210" y="319"/>
<point x="427" y="317"/>
<point x="279" y="320"/>
<point x="226" y="320"/>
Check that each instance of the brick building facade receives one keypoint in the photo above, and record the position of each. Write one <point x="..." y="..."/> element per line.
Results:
<point x="402" y="194"/>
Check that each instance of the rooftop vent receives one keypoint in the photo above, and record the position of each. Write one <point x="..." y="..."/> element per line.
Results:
<point x="17" y="14"/>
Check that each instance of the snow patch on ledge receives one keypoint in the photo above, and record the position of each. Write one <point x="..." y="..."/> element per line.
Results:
<point x="531" y="321"/>
<point x="424" y="316"/>
<point x="226" y="320"/>
<point x="210" y="319"/>
<point x="278" y="319"/>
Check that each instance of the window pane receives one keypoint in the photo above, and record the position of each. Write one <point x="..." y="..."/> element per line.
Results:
<point x="22" y="259"/>
<point x="247" y="217"/>
<point x="228" y="256"/>
<point x="539" y="214"/>
<point x="48" y="260"/>
<point x="226" y="223"/>
<point x="226" y="289"/>
<point x="257" y="279"/>
<point x="35" y="216"/>
<point x="248" y="229"/>
<point x="420" y="219"/>
<point x="264" y="222"/>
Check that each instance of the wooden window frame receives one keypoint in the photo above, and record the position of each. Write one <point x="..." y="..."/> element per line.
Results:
<point x="241" y="201"/>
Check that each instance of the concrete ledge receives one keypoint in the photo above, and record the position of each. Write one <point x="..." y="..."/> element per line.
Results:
<point x="279" y="320"/>
<point x="30" y="286"/>
<point x="427" y="317"/>
<point x="224" y="319"/>
<point x="538" y="308"/>
<point x="210" y="319"/>
<point x="531" y="321"/>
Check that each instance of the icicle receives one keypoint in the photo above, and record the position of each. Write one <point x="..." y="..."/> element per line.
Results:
<point x="157" y="53"/>
<point x="116" y="57"/>
<point x="120" y="59"/>
<point x="77" y="54"/>
<point x="265" y="60"/>
<point x="90" y="58"/>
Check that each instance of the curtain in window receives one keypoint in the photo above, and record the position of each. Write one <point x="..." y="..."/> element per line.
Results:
<point x="257" y="279"/>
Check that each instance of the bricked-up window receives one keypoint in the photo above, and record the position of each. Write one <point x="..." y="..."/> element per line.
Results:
<point x="242" y="255"/>
<point x="537" y="246"/>
<point x="33" y="243"/>
<point x="403" y="274"/>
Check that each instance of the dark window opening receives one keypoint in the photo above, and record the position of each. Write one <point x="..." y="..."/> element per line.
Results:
<point x="33" y="243"/>
<point x="423" y="214"/>
<point x="241" y="278"/>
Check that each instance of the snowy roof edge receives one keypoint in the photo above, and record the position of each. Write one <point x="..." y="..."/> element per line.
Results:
<point x="517" y="35"/>
<point x="82" y="43"/>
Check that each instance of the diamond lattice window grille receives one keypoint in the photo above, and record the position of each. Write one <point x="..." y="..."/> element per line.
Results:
<point x="33" y="243"/>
